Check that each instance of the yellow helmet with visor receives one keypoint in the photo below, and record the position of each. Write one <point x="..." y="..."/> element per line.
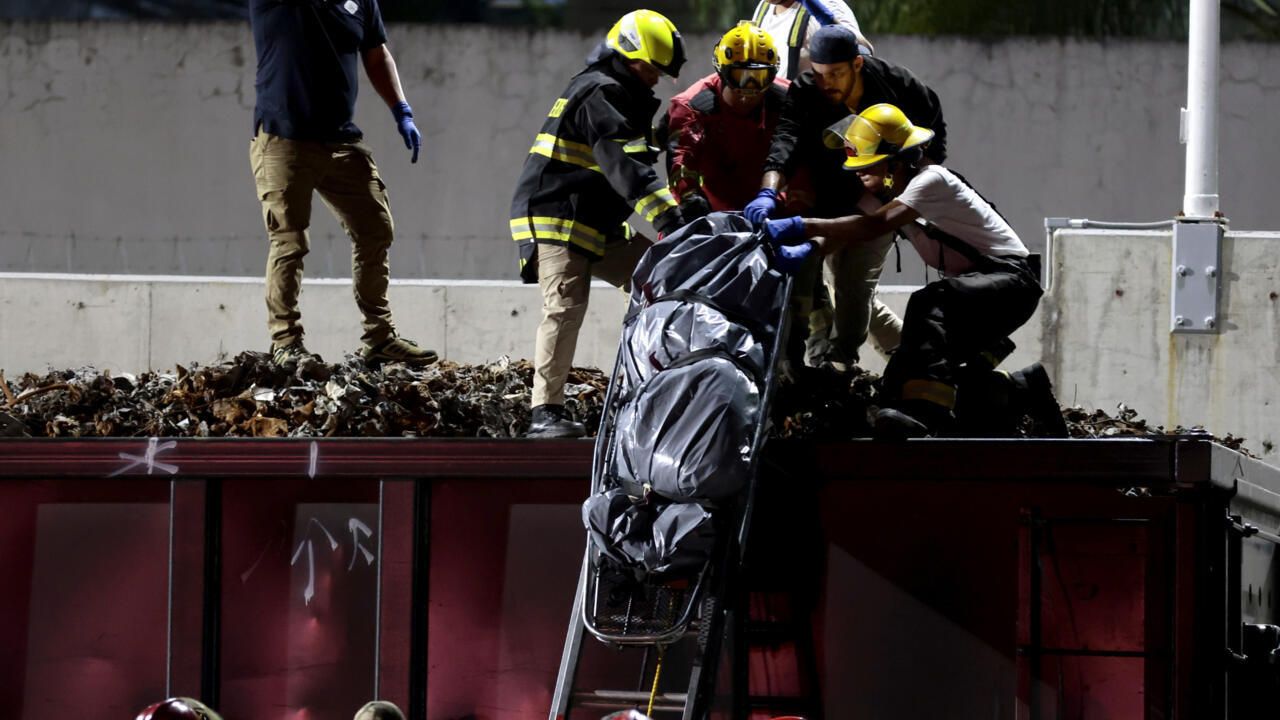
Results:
<point x="876" y="134"/>
<point x="746" y="58"/>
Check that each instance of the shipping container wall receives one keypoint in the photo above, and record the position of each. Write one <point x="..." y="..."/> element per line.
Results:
<point x="441" y="575"/>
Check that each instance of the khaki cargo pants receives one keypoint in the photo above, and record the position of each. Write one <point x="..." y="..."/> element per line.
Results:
<point x="852" y="274"/>
<point x="286" y="172"/>
<point x="565" y="279"/>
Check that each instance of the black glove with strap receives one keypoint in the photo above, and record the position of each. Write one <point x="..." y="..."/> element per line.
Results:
<point x="668" y="222"/>
<point x="693" y="206"/>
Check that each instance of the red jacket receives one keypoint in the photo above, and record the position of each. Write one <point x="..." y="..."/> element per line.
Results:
<point x="717" y="150"/>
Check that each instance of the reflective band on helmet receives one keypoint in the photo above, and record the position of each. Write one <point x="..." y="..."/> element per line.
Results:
<point x="568" y="151"/>
<point x="558" y="229"/>
<point x="655" y="203"/>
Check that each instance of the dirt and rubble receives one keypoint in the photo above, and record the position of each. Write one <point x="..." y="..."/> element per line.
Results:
<point x="250" y="396"/>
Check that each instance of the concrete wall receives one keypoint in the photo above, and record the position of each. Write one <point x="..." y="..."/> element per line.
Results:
<point x="123" y="146"/>
<point x="136" y="323"/>
<point x="1102" y="329"/>
<point x="1105" y="326"/>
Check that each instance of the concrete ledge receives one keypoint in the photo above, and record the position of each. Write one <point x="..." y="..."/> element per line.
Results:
<point x="1109" y="340"/>
<point x="133" y="323"/>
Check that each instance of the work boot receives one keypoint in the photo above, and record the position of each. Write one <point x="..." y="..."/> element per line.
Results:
<point x="288" y="356"/>
<point x="552" y="421"/>
<point x="985" y="406"/>
<point x="398" y="349"/>
<point x="911" y="419"/>
<point x="1035" y="397"/>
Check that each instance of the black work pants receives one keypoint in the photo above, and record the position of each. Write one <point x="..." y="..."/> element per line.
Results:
<point x="950" y="321"/>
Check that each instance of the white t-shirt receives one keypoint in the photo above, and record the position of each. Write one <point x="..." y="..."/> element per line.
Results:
<point x="944" y="200"/>
<point x="777" y="22"/>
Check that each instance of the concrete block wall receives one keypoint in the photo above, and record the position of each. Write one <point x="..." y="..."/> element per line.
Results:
<point x="1105" y="326"/>
<point x="138" y="323"/>
<point x="1102" y="329"/>
<point x="125" y="145"/>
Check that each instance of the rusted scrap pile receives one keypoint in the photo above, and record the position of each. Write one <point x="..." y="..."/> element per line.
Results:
<point x="1126" y="423"/>
<point x="252" y="397"/>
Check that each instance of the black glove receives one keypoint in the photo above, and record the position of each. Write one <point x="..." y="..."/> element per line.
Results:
<point x="693" y="206"/>
<point x="668" y="222"/>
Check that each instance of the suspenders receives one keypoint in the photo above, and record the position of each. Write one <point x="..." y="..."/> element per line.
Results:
<point x="796" y="35"/>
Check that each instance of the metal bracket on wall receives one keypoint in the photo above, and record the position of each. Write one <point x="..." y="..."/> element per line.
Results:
<point x="1197" y="269"/>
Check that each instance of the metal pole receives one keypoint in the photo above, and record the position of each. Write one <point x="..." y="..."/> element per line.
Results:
<point x="1201" y="128"/>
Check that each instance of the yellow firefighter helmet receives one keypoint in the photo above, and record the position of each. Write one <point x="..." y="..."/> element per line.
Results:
<point x="649" y="36"/>
<point x="875" y="134"/>
<point x="746" y="58"/>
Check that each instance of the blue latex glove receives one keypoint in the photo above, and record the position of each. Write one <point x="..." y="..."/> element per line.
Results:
<point x="785" y="231"/>
<point x="404" y="123"/>
<point x="759" y="210"/>
<point x="790" y="258"/>
<point x="819" y="11"/>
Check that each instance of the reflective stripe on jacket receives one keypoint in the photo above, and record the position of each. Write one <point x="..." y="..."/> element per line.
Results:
<point x="592" y="162"/>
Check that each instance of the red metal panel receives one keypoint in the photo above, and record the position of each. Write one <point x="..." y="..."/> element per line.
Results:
<point x="268" y="458"/>
<point x="298" y="598"/>
<point x="918" y="557"/>
<point x="188" y="587"/>
<point x="82" y="614"/>
<point x="397" y="608"/>
<point x="504" y="562"/>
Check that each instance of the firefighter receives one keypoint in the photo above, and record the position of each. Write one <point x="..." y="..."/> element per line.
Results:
<point x="719" y="129"/>
<point x="843" y="80"/>
<point x="791" y="23"/>
<point x="989" y="288"/>
<point x="590" y="167"/>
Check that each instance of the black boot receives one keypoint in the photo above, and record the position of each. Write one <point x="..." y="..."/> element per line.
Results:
<point x="552" y="421"/>
<point x="1034" y="392"/>
<point x="985" y="404"/>
<point x="911" y="419"/>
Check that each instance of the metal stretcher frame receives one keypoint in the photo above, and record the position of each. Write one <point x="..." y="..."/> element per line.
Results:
<point x="716" y="576"/>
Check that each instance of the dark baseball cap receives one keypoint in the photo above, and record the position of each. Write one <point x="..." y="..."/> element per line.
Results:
<point x="833" y="44"/>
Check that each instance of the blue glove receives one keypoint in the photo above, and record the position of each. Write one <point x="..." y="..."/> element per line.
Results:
<point x="404" y="123"/>
<point x="759" y="210"/>
<point x="819" y="11"/>
<point x="785" y="231"/>
<point x="790" y="258"/>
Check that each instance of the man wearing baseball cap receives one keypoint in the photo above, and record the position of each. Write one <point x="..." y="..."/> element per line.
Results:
<point x="842" y="81"/>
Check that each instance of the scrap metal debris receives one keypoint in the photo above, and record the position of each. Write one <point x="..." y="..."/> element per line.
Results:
<point x="252" y="397"/>
<point x="1126" y="423"/>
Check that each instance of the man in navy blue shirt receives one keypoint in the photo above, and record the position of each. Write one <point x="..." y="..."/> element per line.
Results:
<point x="305" y="140"/>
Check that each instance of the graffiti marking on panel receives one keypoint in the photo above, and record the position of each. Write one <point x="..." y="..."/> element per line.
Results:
<point x="148" y="459"/>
